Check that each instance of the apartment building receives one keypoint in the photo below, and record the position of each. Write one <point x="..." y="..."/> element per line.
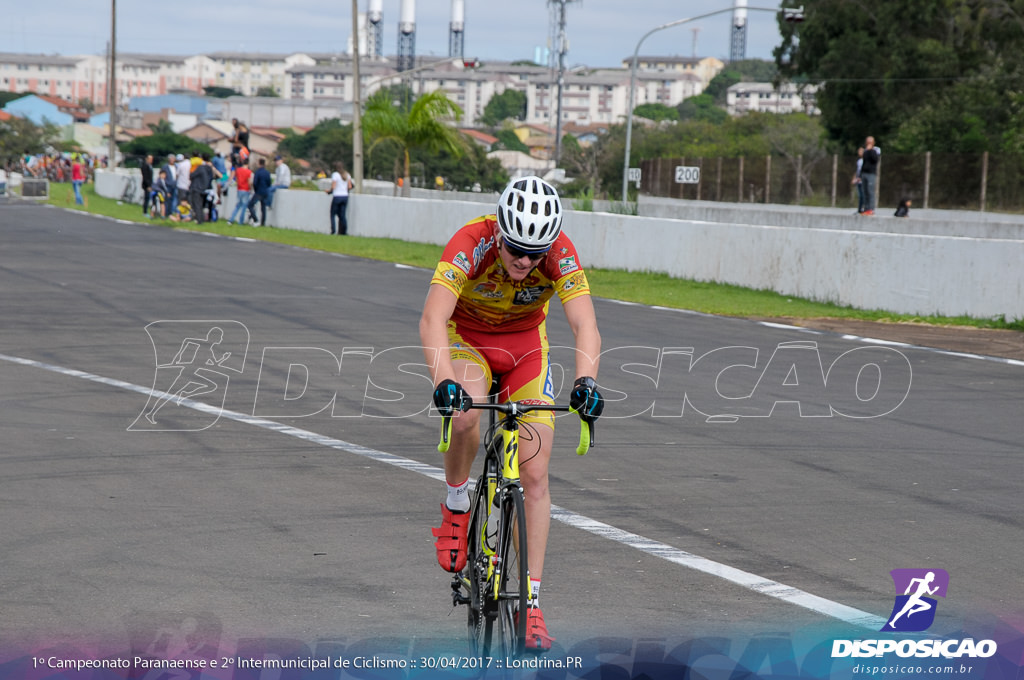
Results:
<point x="53" y="76"/>
<point x="705" y="68"/>
<point x="77" y="78"/>
<point x="590" y="97"/>
<point x="249" y="72"/>
<point x="765" y="97"/>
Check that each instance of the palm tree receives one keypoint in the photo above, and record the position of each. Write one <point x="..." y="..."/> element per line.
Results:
<point x="421" y="126"/>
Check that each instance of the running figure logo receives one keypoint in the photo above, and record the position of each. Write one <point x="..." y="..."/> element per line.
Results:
<point x="193" y="359"/>
<point x="914" y="610"/>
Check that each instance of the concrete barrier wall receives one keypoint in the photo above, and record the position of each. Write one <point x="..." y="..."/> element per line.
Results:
<point x="857" y="263"/>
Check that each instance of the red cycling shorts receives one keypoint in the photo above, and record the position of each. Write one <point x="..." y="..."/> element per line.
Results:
<point x="518" y="359"/>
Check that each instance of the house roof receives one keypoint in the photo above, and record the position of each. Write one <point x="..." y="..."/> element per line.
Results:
<point x="57" y="101"/>
<point x="481" y="137"/>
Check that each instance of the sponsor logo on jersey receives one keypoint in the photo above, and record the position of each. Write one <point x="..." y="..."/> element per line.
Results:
<point x="529" y="295"/>
<point x="481" y="249"/>
<point x="575" y="280"/>
<point x="462" y="262"/>
<point x="549" y="385"/>
<point x="567" y="265"/>
<point x="488" y="290"/>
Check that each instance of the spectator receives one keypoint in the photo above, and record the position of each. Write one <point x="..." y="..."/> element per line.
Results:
<point x="77" y="179"/>
<point x="282" y="179"/>
<point x="858" y="182"/>
<point x="147" y="182"/>
<point x="171" y="172"/>
<point x="904" y="208"/>
<point x="200" y="181"/>
<point x="182" y="172"/>
<point x="341" y="183"/>
<point x="243" y="189"/>
<point x="221" y="175"/>
<point x="162" y="185"/>
<point x="239" y="140"/>
<point x="869" y="174"/>
<point x="261" y="182"/>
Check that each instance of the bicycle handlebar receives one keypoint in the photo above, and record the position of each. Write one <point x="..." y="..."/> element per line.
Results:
<point x="515" y="409"/>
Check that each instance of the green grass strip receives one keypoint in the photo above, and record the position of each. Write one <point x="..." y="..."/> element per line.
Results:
<point x="644" y="288"/>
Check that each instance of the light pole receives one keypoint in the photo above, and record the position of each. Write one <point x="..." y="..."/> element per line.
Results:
<point x="792" y="15"/>
<point x="357" y="120"/>
<point x="112" y="94"/>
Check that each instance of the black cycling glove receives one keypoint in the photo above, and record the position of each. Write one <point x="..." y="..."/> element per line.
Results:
<point x="586" y="400"/>
<point x="450" y="397"/>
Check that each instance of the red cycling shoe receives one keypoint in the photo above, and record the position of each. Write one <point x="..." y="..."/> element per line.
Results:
<point x="537" y="638"/>
<point x="451" y="539"/>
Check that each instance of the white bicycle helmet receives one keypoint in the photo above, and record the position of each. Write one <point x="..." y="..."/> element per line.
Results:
<point x="530" y="214"/>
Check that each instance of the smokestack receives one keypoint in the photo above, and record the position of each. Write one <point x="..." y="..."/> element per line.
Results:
<point x="738" y="47"/>
<point x="407" y="35"/>
<point x="456" y="40"/>
<point x="375" y="29"/>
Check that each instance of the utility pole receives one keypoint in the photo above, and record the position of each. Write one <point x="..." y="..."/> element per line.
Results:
<point x="112" y="93"/>
<point x="563" y="48"/>
<point x="357" y="104"/>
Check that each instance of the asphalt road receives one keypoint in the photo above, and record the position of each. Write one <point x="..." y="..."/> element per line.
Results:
<point x="300" y="510"/>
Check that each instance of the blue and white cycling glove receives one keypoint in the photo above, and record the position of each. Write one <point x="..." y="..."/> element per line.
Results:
<point x="586" y="400"/>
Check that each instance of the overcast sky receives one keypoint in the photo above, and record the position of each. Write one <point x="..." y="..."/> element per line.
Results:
<point x="600" y="32"/>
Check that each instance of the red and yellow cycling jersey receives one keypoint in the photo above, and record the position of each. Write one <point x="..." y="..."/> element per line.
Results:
<point x="489" y="300"/>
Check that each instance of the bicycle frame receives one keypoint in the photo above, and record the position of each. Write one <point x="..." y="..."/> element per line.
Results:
<point x="498" y="498"/>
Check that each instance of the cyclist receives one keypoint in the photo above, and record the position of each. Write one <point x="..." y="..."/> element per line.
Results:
<point x="484" y="317"/>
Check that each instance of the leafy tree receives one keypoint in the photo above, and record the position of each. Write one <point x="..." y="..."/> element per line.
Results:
<point x="161" y="127"/>
<point x="918" y="75"/>
<point x="328" y="142"/>
<point x="582" y="165"/>
<point x="423" y="126"/>
<point x="399" y="94"/>
<point x="20" y="136"/>
<point x="267" y="91"/>
<point x="656" y="112"/>
<point x="509" y="104"/>
<point x="162" y="144"/>
<point x="701" y="107"/>
<point x="220" y="92"/>
<point x="507" y="139"/>
<point x="7" y="97"/>
<point x="463" y="171"/>
<point x="799" y="139"/>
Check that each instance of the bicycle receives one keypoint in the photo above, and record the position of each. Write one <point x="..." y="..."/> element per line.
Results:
<point x="495" y="583"/>
<point x="157" y="204"/>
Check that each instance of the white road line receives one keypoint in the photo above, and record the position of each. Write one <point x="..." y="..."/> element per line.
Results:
<point x="758" y="584"/>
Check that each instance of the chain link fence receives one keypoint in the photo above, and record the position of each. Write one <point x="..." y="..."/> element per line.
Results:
<point x="984" y="182"/>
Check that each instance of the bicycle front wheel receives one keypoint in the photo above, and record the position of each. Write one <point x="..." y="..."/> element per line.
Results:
<point x="481" y="614"/>
<point x="514" y="579"/>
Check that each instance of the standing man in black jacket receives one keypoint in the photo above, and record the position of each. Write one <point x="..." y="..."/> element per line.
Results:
<point x="147" y="182"/>
<point x="869" y="175"/>
<point x="201" y="180"/>
<point x="261" y="181"/>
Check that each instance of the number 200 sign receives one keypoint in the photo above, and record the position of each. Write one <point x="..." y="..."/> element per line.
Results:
<point x="687" y="174"/>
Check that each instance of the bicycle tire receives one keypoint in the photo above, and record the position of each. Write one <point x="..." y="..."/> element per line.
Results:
<point x="514" y="580"/>
<point x="479" y="627"/>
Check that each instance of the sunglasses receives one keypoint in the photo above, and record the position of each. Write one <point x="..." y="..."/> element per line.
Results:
<point x="517" y="253"/>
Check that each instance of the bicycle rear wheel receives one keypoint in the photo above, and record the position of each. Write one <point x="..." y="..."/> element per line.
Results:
<point x="514" y="580"/>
